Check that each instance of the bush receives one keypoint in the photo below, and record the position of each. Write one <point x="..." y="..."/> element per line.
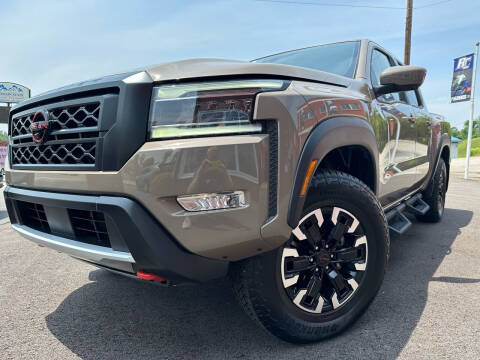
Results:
<point x="475" y="151"/>
<point x="462" y="148"/>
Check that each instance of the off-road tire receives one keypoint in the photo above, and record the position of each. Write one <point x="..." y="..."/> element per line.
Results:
<point x="257" y="281"/>
<point x="435" y="194"/>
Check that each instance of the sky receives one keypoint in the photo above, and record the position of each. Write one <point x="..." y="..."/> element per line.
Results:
<point x="47" y="44"/>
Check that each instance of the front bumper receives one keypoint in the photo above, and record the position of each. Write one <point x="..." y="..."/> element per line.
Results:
<point x="134" y="240"/>
<point x="162" y="170"/>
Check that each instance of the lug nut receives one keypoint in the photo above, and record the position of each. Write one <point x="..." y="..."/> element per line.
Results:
<point x="311" y="259"/>
<point x="316" y="269"/>
<point x="326" y="246"/>
<point x="331" y="256"/>
<point x="316" y="247"/>
<point x="338" y="266"/>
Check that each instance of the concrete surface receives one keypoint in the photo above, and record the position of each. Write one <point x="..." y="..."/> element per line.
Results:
<point x="457" y="168"/>
<point x="54" y="307"/>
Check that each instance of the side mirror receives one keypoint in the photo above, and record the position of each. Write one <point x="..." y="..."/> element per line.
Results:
<point x="400" y="78"/>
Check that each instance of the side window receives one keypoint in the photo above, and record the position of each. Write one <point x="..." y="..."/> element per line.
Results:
<point x="380" y="62"/>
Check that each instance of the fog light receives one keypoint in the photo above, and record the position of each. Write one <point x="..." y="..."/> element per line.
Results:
<point x="213" y="201"/>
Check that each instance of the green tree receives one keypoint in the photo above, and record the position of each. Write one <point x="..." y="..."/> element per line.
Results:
<point x="3" y="136"/>
<point x="475" y="129"/>
<point x="457" y="133"/>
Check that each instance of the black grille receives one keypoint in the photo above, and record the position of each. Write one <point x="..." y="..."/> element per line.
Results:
<point x="70" y="153"/>
<point x="89" y="227"/>
<point x="71" y="117"/>
<point x="72" y="137"/>
<point x="33" y="215"/>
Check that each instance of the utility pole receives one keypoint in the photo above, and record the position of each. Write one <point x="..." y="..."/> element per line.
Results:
<point x="408" y="32"/>
<point x="472" y="101"/>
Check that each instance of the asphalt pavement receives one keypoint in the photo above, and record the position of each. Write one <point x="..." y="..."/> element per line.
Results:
<point x="54" y="307"/>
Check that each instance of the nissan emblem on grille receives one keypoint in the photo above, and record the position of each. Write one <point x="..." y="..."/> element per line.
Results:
<point x="57" y="134"/>
<point x="39" y="127"/>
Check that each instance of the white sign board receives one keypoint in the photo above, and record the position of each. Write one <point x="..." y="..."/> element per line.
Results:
<point x="13" y="93"/>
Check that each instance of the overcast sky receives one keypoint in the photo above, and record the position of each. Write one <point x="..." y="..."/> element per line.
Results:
<point x="47" y="44"/>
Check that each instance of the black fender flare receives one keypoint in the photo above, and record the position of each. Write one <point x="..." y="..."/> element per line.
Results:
<point x="330" y="134"/>
<point x="444" y="142"/>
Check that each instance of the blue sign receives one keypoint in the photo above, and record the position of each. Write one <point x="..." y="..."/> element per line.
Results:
<point x="13" y="93"/>
<point x="463" y="63"/>
<point x="461" y="88"/>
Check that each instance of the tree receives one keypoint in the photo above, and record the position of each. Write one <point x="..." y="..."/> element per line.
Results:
<point x="3" y="136"/>
<point x="463" y="134"/>
<point x="457" y="133"/>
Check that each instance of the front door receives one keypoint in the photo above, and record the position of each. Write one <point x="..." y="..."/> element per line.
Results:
<point x="423" y="127"/>
<point x="396" y="135"/>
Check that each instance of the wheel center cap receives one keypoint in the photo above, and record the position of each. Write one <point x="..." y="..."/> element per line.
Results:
<point x="323" y="257"/>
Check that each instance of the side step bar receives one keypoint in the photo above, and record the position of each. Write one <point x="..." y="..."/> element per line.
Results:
<point x="416" y="205"/>
<point x="397" y="221"/>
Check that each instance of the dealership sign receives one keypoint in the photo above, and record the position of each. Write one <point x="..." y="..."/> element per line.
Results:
<point x="461" y="89"/>
<point x="13" y="93"/>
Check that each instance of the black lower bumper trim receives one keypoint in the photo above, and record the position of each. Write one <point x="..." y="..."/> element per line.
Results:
<point x="131" y="228"/>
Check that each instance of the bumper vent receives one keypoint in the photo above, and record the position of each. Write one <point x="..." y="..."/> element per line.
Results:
<point x="89" y="227"/>
<point x="85" y="226"/>
<point x="71" y="139"/>
<point x="33" y="215"/>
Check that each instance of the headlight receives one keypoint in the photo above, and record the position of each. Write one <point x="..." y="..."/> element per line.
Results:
<point x="206" y="108"/>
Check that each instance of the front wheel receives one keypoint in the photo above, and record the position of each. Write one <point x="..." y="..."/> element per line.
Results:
<point x="326" y="275"/>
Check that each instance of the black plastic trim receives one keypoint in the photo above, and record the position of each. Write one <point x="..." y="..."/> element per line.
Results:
<point x="328" y="135"/>
<point x="272" y="131"/>
<point x="153" y="248"/>
<point x="444" y="142"/>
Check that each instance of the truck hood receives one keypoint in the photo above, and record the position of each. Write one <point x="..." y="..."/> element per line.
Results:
<point x="197" y="68"/>
<point x="189" y="69"/>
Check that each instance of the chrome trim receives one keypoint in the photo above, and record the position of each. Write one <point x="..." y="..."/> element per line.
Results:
<point x="72" y="247"/>
<point x="203" y="202"/>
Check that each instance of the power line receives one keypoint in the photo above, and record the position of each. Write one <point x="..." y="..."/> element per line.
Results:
<point x="291" y="2"/>
<point x="331" y="4"/>
<point x="432" y="4"/>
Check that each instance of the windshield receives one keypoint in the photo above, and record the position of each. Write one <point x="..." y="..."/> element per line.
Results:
<point x="337" y="58"/>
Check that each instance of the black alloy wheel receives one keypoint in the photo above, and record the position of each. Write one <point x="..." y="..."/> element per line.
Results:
<point x="324" y="261"/>
<point x="441" y="192"/>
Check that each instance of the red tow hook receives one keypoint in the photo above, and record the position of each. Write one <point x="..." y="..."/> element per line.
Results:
<point x="149" y="276"/>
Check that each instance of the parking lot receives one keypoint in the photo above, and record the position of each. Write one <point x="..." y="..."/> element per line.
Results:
<point x="54" y="307"/>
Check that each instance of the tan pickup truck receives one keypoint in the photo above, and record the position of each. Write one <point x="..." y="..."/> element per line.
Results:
<point x="285" y="173"/>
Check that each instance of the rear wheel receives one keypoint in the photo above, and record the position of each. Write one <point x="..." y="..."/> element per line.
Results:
<point x="329" y="271"/>
<point x="435" y="194"/>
